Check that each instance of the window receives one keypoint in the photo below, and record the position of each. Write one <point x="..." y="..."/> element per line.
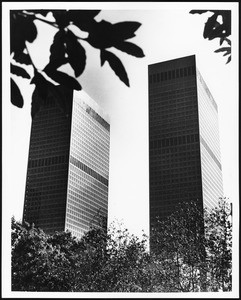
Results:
<point x="150" y="78"/>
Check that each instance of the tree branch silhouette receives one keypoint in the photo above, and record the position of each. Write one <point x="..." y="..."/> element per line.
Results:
<point x="214" y="29"/>
<point x="67" y="47"/>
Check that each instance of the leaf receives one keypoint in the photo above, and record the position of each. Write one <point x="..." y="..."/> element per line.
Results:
<point x="228" y="49"/>
<point x="22" y="58"/>
<point x="57" y="49"/>
<point x="63" y="79"/>
<point x="214" y="29"/>
<point x="125" y="30"/>
<point x="22" y="29"/>
<point x="210" y="24"/>
<point x="130" y="48"/>
<point x="82" y="18"/>
<point x="101" y="35"/>
<point x="17" y="41"/>
<point x="61" y="18"/>
<point x="84" y="14"/>
<point x="56" y="63"/>
<point x="228" y="41"/>
<point x="229" y="59"/>
<point x="19" y="71"/>
<point x="218" y="32"/>
<point x="16" y="96"/>
<point x="226" y="14"/>
<point x="115" y="64"/>
<point x="194" y="11"/>
<point x="227" y="53"/>
<point x="30" y="30"/>
<point x="42" y="12"/>
<point x="76" y="53"/>
<point x="222" y="39"/>
<point x="105" y="34"/>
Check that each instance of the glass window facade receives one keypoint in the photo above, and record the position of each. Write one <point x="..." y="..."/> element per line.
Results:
<point x="68" y="166"/>
<point x="87" y="193"/>
<point x="184" y="155"/>
<point x="209" y="145"/>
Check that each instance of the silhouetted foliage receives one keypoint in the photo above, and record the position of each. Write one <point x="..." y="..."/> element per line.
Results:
<point x="194" y="248"/>
<point x="178" y="244"/>
<point x="214" y="29"/>
<point x="16" y="96"/>
<point x="191" y="252"/>
<point x="218" y="242"/>
<point x="41" y="262"/>
<point x="99" y="262"/>
<point x="67" y="48"/>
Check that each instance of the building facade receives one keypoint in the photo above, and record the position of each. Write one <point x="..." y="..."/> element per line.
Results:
<point x="184" y="148"/>
<point x="68" y="165"/>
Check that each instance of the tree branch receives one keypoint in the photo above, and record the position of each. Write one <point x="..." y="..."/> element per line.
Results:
<point x="30" y="57"/>
<point x="40" y="19"/>
<point x="46" y="21"/>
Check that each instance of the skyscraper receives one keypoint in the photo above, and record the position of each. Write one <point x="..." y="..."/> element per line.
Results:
<point x="68" y="165"/>
<point x="184" y="150"/>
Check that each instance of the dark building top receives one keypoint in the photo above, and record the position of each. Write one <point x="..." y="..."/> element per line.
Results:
<point x="184" y="161"/>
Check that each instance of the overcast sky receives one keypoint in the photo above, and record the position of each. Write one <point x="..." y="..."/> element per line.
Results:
<point x="168" y="31"/>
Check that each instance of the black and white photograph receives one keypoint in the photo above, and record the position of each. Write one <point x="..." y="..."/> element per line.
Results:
<point x="120" y="162"/>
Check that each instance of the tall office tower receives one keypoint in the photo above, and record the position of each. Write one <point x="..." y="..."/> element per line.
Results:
<point x="68" y="165"/>
<point x="184" y="150"/>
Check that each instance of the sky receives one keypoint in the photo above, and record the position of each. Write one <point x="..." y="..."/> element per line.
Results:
<point x="167" y="32"/>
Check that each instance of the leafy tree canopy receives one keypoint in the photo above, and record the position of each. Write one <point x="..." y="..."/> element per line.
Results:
<point x="190" y="252"/>
<point x="194" y="248"/>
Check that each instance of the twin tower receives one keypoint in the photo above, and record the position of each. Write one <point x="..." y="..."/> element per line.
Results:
<point x="68" y="166"/>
